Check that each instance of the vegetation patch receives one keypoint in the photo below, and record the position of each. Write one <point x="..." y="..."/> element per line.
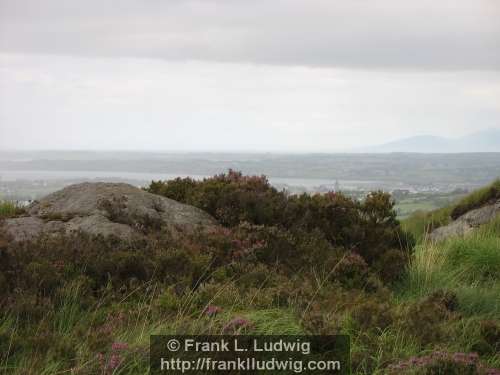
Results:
<point x="321" y="264"/>
<point x="477" y="199"/>
<point x="420" y="223"/>
<point x="10" y="209"/>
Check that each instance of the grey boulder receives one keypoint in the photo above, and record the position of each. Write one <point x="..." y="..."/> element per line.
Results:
<point x="106" y="209"/>
<point x="466" y="223"/>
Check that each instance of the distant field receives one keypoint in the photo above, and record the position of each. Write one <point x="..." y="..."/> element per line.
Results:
<point x="436" y="170"/>
<point x="425" y="202"/>
<point x="430" y="180"/>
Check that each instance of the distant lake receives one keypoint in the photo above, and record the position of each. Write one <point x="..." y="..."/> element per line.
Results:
<point x="12" y="175"/>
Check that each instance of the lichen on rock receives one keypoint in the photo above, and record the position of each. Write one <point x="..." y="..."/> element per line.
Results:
<point x="106" y="209"/>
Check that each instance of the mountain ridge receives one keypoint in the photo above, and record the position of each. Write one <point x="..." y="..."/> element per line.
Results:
<point x="482" y="141"/>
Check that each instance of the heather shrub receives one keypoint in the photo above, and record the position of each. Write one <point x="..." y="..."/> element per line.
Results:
<point x="28" y="307"/>
<point x="425" y="319"/>
<point x="209" y="293"/>
<point x="372" y="314"/>
<point x="335" y="215"/>
<point x="370" y="227"/>
<point x="231" y="198"/>
<point x="390" y="263"/>
<point x="351" y="271"/>
<point x="63" y="349"/>
<point x="273" y="245"/>
<point x="42" y="275"/>
<point x="442" y="363"/>
<point x="445" y="298"/>
<point x="256" y="277"/>
<point x="131" y="265"/>
<point x="316" y="322"/>
<point x="322" y="264"/>
<point x="261" y="298"/>
<point x="169" y="301"/>
<point x="4" y="286"/>
<point x="490" y="334"/>
<point x="178" y="189"/>
<point x="176" y="264"/>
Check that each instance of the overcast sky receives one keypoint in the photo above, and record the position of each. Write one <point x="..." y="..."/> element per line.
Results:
<point x="263" y="75"/>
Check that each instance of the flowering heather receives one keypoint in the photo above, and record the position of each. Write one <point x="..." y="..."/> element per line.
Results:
<point x="212" y="310"/>
<point x="114" y="361"/>
<point x="277" y="264"/>
<point x="237" y="324"/>
<point x="110" y="363"/>
<point x="119" y="346"/>
<point x="451" y="362"/>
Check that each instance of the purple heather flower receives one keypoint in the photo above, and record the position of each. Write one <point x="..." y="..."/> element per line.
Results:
<point x="116" y="346"/>
<point x="114" y="361"/>
<point x="237" y="323"/>
<point x="212" y="310"/>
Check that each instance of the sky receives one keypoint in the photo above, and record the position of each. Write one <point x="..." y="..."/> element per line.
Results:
<point x="239" y="75"/>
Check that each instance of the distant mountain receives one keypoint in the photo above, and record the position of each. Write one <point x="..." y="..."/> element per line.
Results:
<point x="482" y="141"/>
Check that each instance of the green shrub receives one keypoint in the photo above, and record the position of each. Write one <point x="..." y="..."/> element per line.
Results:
<point x="442" y="363"/>
<point x="351" y="271"/>
<point x="370" y="227"/>
<point x="425" y="319"/>
<point x="231" y="198"/>
<point x="490" y="332"/>
<point x="43" y="276"/>
<point x="373" y="314"/>
<point x="169" y="301"/>
<point x="322" y="264"/>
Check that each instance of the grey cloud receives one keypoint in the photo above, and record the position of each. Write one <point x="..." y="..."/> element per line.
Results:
<point x="446" y="34"/>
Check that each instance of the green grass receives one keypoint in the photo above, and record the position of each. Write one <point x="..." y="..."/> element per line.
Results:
<point x="421" y="222"/>
<point x="275" y="322"/>
<point x="9" y="209"/>
<point x="477" y="199"/>
<point x="468" y="266"/>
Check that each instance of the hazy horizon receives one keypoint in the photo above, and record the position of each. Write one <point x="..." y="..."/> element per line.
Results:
<point x="382" y="148"/>
<point x="263" y="76"/>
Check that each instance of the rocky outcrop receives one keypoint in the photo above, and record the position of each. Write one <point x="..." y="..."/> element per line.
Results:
<point x="105" y="209"/>
<point x="467" y="222"/>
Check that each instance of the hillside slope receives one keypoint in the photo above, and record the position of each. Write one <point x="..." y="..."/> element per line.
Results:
<point x="322" y="264"/>
<point x="475" y="209"/>
<point x="482" y="141"/>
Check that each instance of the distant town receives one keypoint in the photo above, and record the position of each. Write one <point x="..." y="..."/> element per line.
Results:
<point x="416" y="181"/>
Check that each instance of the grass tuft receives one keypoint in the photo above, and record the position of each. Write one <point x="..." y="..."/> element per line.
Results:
<point x="420" y="223"/>
<point x="9" y="209"/>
